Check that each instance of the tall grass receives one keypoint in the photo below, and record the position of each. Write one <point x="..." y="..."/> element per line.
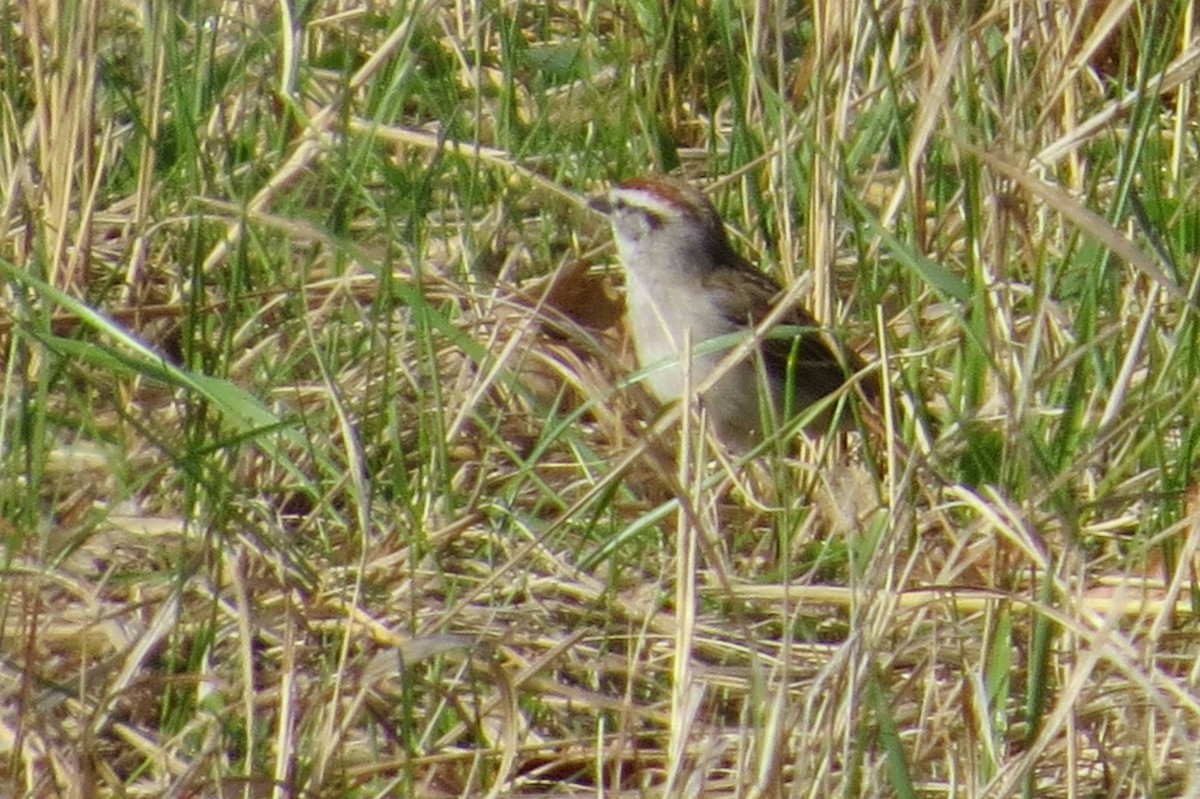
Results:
<point x="325" y="467"/>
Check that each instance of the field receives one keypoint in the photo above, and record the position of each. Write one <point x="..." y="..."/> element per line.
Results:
<point x="326" y="468"/>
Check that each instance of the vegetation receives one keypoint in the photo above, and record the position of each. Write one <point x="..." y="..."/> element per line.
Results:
<point x="325" y="471"/>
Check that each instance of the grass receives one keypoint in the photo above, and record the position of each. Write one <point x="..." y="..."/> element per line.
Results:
<point x="314" y="482"/>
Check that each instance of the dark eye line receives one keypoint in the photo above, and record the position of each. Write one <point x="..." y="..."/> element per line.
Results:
<point x="653" y="221"/>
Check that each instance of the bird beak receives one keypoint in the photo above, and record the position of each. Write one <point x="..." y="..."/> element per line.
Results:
<point x="601" y="204"/>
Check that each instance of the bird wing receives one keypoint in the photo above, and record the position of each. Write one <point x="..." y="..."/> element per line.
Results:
<point x="745" y="295"/>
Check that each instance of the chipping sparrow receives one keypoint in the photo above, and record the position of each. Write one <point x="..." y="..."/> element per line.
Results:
<point x="684" y="280"/>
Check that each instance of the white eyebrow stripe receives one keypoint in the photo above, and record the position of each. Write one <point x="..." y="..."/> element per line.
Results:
<point x="649" y="201"/>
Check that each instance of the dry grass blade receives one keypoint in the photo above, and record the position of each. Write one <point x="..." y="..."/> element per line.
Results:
<point x="1082" y="217"/>
<point x="1179" y="72"/>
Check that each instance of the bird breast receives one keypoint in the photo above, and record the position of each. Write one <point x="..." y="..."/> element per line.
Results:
<point x="668" y="311"/>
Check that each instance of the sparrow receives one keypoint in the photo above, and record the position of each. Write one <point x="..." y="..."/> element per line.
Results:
<point x="684" y="282"/>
